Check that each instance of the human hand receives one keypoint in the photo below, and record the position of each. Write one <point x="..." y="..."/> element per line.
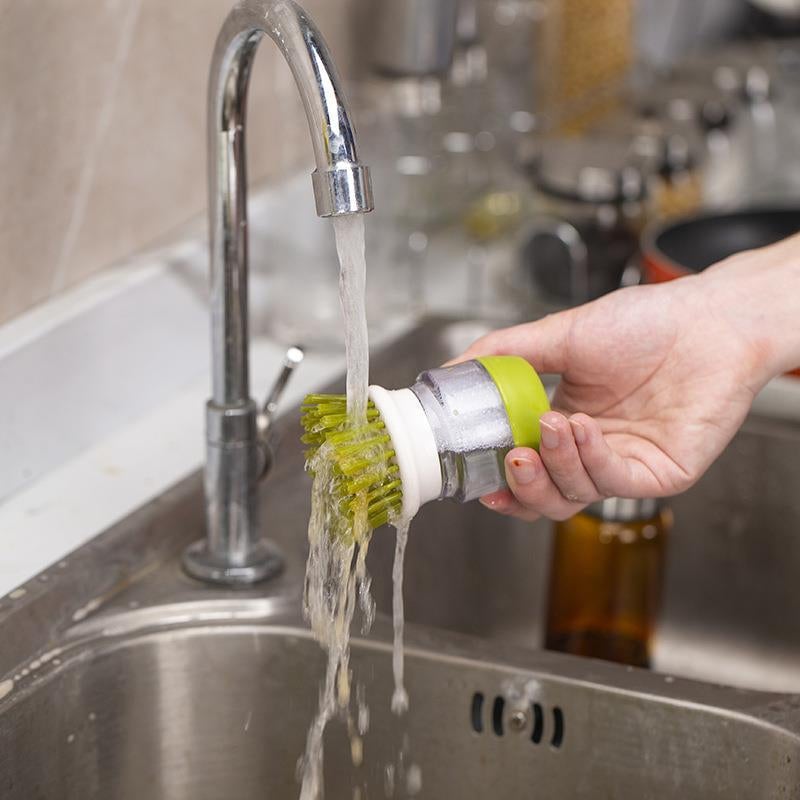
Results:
<point x="655" y="382"/>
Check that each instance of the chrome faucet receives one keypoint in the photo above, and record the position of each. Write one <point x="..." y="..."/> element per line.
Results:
<point x="237" y="433"/>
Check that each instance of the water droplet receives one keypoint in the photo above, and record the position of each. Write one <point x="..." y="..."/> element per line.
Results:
<point x="414" y="780"/>
<point x="84" y="611"/>
<point x="357" y="750"/>
<point x="388" y="780"/>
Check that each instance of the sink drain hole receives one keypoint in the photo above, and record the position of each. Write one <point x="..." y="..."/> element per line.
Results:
<point x="497" y="715"/>
<point x="538" y="724"/>
<point x="540" y="715"/>
<point x="558" y="727"/>
<point x="476" y="712"/>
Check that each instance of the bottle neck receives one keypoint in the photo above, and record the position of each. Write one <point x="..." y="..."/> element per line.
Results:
<point x="620" y="509"/>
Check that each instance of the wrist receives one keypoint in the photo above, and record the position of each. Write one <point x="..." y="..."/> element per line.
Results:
<point x="758" y="292"/>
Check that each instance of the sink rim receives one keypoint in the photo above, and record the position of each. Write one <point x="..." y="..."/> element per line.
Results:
<point x="117" y="627"/>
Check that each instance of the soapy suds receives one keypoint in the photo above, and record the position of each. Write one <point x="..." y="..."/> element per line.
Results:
<point x="6" y="687"/>
<point x="400" y="696"/>
<point x="336" y="577"/>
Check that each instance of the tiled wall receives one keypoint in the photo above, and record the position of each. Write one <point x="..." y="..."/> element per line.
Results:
<point x="102" y="129"/>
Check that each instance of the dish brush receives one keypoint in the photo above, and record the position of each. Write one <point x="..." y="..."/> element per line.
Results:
<point x="445" y="436"/>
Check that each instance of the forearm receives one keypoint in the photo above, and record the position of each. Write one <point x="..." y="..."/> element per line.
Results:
<point x="758" y="292"/>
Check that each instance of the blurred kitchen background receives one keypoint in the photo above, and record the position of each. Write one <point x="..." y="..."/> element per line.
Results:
<point x="519" y="147"/>
<point x="521" y="151"/>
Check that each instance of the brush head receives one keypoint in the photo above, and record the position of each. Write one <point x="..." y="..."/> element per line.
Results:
<point x="363" y="468"/>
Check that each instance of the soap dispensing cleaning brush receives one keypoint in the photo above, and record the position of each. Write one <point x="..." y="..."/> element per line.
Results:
<point x="445" y="436"/>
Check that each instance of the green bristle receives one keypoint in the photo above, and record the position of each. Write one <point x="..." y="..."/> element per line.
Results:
<point x="365" y="482"/>
<point x="364" y="459"/>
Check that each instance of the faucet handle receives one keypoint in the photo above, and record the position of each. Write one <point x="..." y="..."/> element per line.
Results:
<point x="293" y="358"/>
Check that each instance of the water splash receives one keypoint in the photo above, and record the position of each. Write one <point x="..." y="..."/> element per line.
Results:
<point x="400" y="696"/>
<point x="336" y="573"/>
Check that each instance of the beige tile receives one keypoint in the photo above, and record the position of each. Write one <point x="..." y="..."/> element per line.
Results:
<point x="102" y="137"/>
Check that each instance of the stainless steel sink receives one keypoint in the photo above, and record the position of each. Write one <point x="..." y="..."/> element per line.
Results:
<point x="120" y="677"/>
<point x="216" y="706"/>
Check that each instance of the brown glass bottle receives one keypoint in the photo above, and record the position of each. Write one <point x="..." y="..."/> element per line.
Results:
<point x="605" y="580"/>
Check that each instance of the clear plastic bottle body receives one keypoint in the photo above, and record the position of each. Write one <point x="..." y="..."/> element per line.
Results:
<point x="470" y="426"/>
<point x="605" y="584"/>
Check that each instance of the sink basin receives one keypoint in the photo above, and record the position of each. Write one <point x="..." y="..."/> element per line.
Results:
<point x="219" y="707"/>
<point x="120" y="677"/>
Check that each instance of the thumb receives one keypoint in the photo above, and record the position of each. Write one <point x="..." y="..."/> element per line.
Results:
<point x="543" y="343"/>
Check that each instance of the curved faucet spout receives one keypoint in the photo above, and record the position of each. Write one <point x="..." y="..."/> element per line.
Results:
<point x="341" y="184"/>
<point x="234" y="551"/>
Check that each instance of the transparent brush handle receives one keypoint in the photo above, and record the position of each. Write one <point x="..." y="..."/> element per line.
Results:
<point x="470" y="426"/>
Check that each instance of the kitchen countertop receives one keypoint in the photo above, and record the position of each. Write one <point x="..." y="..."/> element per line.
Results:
<point x="115" y="376"/>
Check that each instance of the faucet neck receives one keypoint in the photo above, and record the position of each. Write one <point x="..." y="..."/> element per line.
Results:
<point x="234" y="551"/>
<point x="341" y="184"/>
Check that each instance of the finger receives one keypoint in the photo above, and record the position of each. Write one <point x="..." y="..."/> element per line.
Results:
<point x="560" y="455"/>
<point x="543" y="343"/>
<point x="533" y="487"/>
<point x="612" y="475"/>
<point x="503" y="502"/>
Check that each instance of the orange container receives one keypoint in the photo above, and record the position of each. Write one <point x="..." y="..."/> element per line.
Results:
<point x="688" y="245"/>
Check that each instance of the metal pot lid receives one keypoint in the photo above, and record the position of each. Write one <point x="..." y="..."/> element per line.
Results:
<point x="588" y="169"/>
<point x="665" y="154"/>
<point x="656" y="144"/>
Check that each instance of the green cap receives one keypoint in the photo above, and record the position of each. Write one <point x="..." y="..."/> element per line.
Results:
<point x="523" y="396"/>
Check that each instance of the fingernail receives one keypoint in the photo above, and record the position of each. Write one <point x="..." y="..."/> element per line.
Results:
<point x="578" y="431"/>
<point x="523" y="470"/>
<point x="550" y="437"/>
<point x="492" y="502"/>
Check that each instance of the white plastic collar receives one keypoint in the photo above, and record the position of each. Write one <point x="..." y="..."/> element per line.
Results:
<point x="414" y="446"/>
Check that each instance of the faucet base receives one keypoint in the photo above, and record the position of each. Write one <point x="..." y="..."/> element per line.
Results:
<point x="265" y="562"/>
